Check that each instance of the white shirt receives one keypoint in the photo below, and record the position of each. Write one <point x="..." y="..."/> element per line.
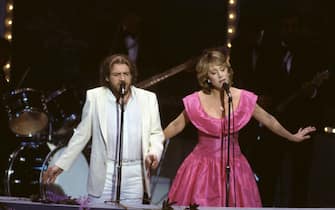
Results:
<point x="132" y="142"/>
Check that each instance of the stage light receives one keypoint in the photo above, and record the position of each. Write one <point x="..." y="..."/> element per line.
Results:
<point x="230" y="30"/>
<point x="329" y="130"/>
<point x="8" y="22"/>
<point x="232" y="17"/>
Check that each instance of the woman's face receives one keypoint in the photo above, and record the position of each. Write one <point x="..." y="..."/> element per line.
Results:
<point x="218" y="75"/>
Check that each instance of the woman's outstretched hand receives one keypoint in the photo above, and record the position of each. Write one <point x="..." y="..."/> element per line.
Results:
<point x="303" y="133"/>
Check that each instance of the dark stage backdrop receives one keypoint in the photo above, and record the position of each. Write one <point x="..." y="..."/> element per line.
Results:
<point x="59" y="44"/>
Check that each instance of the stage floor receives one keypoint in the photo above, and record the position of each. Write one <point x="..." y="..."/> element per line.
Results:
<point x="17" y="203"/>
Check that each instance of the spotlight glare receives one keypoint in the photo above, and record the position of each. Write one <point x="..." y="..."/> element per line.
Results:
<point x="9" y="37"/>
<point x="10" y="7"/>
<point x="7" y="66"/>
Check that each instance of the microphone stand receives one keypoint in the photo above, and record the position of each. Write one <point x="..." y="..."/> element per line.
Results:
<point x="167" y="141"/>
<point x="119" y="162"/>
<point x="228" y="149"/>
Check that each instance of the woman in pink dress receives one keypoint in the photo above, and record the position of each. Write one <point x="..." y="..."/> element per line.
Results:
<point x="201" y="179"/>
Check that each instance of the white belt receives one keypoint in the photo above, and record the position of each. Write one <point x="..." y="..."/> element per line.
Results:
<point x="126" y="162"/>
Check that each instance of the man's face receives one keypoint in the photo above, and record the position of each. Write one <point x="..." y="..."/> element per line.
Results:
<point x="119" y="73"/>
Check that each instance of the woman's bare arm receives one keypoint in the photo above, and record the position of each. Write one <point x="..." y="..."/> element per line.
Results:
<point x="272" y="123"/>
<point x="176" y="126"/>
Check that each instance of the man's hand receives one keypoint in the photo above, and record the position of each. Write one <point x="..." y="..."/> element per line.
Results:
<point x="50" y="175"/>
<point x="151" y="161"/>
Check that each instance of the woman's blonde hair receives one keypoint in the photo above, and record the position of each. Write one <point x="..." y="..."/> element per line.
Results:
<point x="208" y="59"/>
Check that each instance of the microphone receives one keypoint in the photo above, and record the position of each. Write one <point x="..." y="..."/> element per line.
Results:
<point x="122" y="88"/>
<point x="225" y="87"/>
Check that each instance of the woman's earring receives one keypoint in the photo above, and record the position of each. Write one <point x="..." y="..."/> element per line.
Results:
<point x="209" y="82"/>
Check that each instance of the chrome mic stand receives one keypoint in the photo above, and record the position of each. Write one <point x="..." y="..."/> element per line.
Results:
<point x="120" y="148"/>
<point x="228" y="154"/>
<point x="227" y="187"/>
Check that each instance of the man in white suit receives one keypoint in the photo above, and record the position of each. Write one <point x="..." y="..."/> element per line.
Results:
<point x="142" y="135"/>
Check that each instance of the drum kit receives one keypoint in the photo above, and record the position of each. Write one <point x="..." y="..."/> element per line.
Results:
<point x="44" y="122"/>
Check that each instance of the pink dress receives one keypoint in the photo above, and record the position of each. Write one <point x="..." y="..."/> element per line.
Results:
<point x="201" y="179"/>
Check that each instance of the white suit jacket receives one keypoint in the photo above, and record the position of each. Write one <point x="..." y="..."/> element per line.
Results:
<point x="94" y="124"/>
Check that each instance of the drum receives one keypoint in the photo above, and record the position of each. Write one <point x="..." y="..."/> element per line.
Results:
<point x="27" y="111"/>
<point x="24" y="169"/>
<point x="72" y="182"/>
<point x="64" y="106"/>
<point x="23" y="178"/>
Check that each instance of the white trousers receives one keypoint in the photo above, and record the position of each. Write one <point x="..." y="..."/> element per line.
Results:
<point x="132" y="183"/>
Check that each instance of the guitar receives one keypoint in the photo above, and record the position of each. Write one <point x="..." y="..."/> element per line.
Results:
<point x="166" y="74"/>
<point x="189" y="64"/>
<point x="316" y="82"/>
